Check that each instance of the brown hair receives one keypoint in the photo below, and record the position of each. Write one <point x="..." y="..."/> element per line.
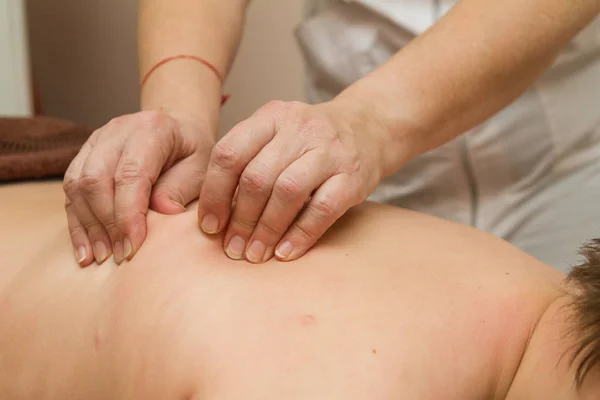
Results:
<point x="586" y="304"/>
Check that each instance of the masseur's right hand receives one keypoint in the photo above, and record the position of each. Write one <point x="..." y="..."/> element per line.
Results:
<point x="148" y="159"/>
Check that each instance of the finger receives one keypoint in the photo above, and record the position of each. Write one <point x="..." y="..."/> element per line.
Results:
<point x="81" y="243"/>
<point x="178" y="186"/>
<point x="137" y="170"/>
<point x="79" y="239"/>
<point x="326" y="206"/>
<point x="229" y="158"/>
<point x="83" y="225"/>
<point x="255" y="187"/>
<point x="96" y="185"/>
<point x="235" y="197"/>
<point x="79" y="217"/>
<point x="291" y="191"/>
<point x="96" y="241"/>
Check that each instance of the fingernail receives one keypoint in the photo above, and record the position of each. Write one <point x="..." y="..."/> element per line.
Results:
<point x="284" y="250"/>
<point x="127" y="249"/>
<point x="256" y="251"/>
<point x="235" y="248"/>
<point x="80" y="254"/>
<point x="100" y="252"/>
<point x="118" y="252"/>
<point x="210" y="224"/>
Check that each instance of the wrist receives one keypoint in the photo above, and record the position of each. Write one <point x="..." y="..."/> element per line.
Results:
<point x="395" y="142"/>
<point x="186" y="88"/>
<point x="203" y="131"/>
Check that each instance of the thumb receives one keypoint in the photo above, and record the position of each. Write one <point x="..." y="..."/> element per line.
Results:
<point x="178" y="186"/>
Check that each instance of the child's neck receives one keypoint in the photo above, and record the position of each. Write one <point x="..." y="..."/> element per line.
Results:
<point x="545" y="372"/>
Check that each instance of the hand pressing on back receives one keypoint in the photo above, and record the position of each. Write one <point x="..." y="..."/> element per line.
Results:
<point x="296" y="169"/>
<point x="147" y="159"/>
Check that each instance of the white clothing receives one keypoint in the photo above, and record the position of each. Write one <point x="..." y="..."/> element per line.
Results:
<point x="531" y="174"/>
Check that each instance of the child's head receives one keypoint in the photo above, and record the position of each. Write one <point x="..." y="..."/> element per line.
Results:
<point x="585" y="279"/>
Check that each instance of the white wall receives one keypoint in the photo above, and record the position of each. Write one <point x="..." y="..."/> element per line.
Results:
<point x="85" y="58"/>
<point x="15" y="89"/>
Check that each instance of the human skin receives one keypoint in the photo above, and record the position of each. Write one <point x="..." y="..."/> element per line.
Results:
<point x="158" y="157"/>
<point x="368" y="132"/>
<point x="390" y="304"/>
<point x="471" y="64"/>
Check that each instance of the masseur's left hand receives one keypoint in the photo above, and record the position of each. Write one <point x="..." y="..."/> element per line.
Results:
<point x="285" y="155"/>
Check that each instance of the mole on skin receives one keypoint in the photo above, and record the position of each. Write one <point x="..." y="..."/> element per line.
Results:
<point x="308" y="319"/>
<point x="97" y="339"/>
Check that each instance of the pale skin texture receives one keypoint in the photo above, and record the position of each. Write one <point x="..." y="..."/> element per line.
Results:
<point x="390" y="304"/>
<point x="157" y="157"/>
<point x="338" y="151"/>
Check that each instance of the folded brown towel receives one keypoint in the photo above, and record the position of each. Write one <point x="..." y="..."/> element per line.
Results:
<point x="38" y="147"/>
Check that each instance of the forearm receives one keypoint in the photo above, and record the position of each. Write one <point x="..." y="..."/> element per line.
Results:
<point x="475" y="61"/>
<point x="210" y="29"/>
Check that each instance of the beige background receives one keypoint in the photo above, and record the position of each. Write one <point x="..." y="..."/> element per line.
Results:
<point x="84" y="58"/>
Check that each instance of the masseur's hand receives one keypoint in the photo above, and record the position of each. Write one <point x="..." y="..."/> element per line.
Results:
<point x="283" y="156"/>
<point x="135" y="161"/>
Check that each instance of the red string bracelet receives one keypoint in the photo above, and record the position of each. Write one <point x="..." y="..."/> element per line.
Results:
<point x="201" y="60"/>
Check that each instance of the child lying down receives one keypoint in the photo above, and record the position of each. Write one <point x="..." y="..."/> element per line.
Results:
<point x="391" y="304"/>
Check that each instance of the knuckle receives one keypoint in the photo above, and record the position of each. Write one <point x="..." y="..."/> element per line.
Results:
<point x="326" y="208"/>
<point x="270" y="229"/>
<point x="113" y="227"/>
<point x="70" y="186"/>
<point x="126" y="221"/>
<point x="224" y="156"/>
<point x="117" y="121"/>
<point x="274" y="106"/>
<point x="113" y="230"/>
<point x="87" y="147"/>
<point x="130" y="224"/>
<point x="92" y="182"/>
<point x="288" y="188"/>
<point x="211" y="200"/>
<point x="76" y="232"/>
<point x="130" y="171"/>
<point x="91" y="225"/>
<point x="297" y="108"/>
<point x="94" y="136"/>
<point x="244" y="224"/>
<point x="254" y="183"/>
<point x="304" y="234"/>
<point x="314" y="127"/>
